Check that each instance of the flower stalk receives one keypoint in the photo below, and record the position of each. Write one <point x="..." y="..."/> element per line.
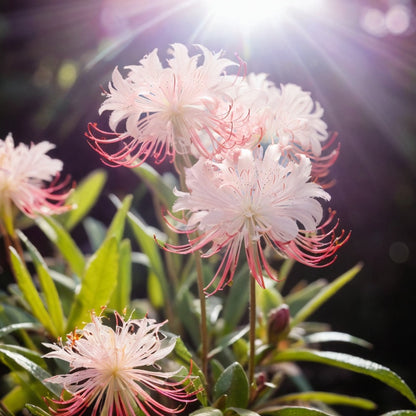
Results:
<point x="203" y="306"/>
<point x="252" y="334"/>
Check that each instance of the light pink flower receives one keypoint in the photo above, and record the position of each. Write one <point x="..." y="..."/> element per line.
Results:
<point x="253" y="200"/>
<point x="112" y="372"/>
<point x="297" y="120"/>
<point x="23" y="173"/>
<point x="160" y="111"/>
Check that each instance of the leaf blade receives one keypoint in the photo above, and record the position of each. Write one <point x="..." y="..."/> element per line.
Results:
<point x="349" y="362"/>
<point x="97" y="285"/>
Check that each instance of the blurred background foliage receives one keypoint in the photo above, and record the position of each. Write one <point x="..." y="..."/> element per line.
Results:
<point x="358" y="59"/>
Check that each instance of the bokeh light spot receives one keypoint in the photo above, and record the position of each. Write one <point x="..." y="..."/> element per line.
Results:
<point x="67" y="74"/>
<point x="399" y="252"/>
<point x="373" y="22"/>
<point x="398" y="19"/>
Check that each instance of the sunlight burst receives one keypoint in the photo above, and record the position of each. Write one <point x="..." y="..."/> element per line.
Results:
<point x="248" y="13"/>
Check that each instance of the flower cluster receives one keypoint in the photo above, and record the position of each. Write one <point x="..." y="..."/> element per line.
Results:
<point x="260" y="157"/>
<point x="23" y="173"/>
<point x="113" y="371"/>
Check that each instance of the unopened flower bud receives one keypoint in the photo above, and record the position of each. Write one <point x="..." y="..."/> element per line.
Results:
<point x="278" y="323"/>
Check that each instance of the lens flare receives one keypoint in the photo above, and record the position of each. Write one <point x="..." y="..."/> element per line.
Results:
<point x="249" y="13"/>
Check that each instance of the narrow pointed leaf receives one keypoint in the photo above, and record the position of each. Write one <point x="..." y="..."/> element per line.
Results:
<point x="16" y="327"/>
<point x="297" y="299"/>
<point x="49" y="290"/>
<point x="64" y="242"/>
<point x="156" y="183"/>
<point x="16" y="361"/>
<point x="117" y="224"/>
<point x="232" y="411"/>
<point x="228" y="340"/>
<point x="145" y="238"/>
<point x="96" y="232"/>
<point x="294" y="411"/>
<point x="207" y="411"/>
<point x="237" y="300"/>
<point x="185" y="357"/>
<point x="83" y="197"/>
<point x="331" y="336"/>
<point x="327" y="398"/>
<point x="36" y="411"/>
<point x="155" y="291"/>
<point x="324" y="295"/>
<point x="122" y="292"/>
<point x="30" y="293"/>
<point x="97" y="285"/>
<point x="349" y="362"/>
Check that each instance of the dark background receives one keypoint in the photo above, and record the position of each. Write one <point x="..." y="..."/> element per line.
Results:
<point x="56" y="55"/>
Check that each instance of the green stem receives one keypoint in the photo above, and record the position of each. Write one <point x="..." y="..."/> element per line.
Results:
<point x="203" y="326"/>
<point x="252" y="333"/>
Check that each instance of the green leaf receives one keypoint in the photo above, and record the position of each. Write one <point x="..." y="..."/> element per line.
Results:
<point x="83" y="197"/>
<point x="96" y="232"/>
<point x="154" y="291"/>
<point x="15" y="399"/>
<point x="30" y="354"/>
<point x="327" y="398"/>
<point x="297" y="299"/>
<point x="231" y="411"/>
<point x="49" y="290"/>
<point x="324" y="295"/>
<point x="64" y="242"/>
<point x="156" y="183"/>
<point x="268" y="299"/>
<point x="36" y="411"/>
<point x="145" y="238"/>
<point x="30" y="293"/>
<point x="16" y="327"/>
<point x="349" y="362"/>
<point x="16" y="362"/>
<point x="294" y="411"/>
<point x="237" y="300"/>
<point x="198" y="381"/>
<point x="228" y="340"/>
<point x="207" y="411"/>
<point x="122" y="292"/>
<point x="234" y="384"/>
<point x="117" y="224"/>
<point x="331" y="336"/>
<point x="188" y="316"/>
<point x="400" y="413"/>
<point x="97" y="285"/>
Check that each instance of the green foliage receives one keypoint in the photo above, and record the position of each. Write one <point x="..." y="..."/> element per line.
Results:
<point x="97" y="285"/>
<point x="322" y="296"/>
<point x="233" y="384"/>
<point x="83" y="198"/>
<point x="30" y="293"/>
<point x="351" y="363"/>
<point x="64" y="243"/>
<point x="53" y="296"/>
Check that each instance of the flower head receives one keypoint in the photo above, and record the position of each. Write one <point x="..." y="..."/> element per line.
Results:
<point x="23" y="173"/>
<point x="161" y="111"/>
<point x="113" y="371"/>
<point x="297" y="120"/>
<point x="253" y="200"/>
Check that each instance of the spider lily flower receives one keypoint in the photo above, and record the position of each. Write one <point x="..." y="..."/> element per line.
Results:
<point x="160" y="111"/>
<point x="23" y="173"/>
<point x="255" y="201"/>
<point x="296" y="120"/>
<point x="112" y="372"/>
